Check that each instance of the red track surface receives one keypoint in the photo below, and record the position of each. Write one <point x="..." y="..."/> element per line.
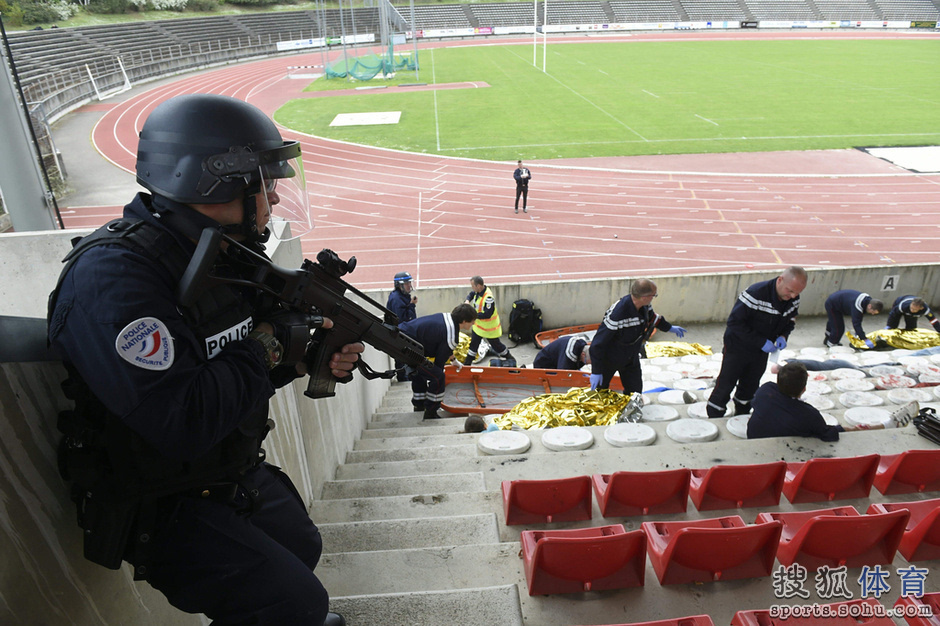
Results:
<point x="447" y="219"/>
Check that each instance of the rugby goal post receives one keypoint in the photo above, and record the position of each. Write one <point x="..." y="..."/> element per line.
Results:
<point x="536" y="30"/>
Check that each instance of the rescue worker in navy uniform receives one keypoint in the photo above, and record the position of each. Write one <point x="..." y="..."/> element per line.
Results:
<point x="439" y="334"/>
<point x="849" y="302"/>
<point x="565" y="353"/>
<point x="621" y="337"/>
<point x="164" y="446"/>
<point x="910" y="308"/>
<point x="402" y="304"/>
<point x="760" y="323"/>
<point x="487" y="325"/>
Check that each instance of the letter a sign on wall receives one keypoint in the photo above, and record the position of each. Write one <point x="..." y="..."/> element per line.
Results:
<point x="890" y="283"/>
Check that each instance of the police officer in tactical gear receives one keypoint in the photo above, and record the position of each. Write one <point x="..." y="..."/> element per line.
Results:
<point x="402" y="303"/>
<point x="163" y="449"/>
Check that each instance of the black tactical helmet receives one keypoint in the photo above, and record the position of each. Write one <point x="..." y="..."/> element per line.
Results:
<point x="207" y="149"/>
<point x="402" y="277"/>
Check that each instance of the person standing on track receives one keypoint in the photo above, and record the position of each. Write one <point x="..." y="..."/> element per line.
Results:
<point x="760" y="323"/>
<point x="522" y="176"/>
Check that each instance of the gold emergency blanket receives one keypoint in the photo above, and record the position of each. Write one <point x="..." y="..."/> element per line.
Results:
<point x="460" y="352"/>
<point x="675" y="348"/>
<point x="578" y="407"/>
<point x="916" y="339"/>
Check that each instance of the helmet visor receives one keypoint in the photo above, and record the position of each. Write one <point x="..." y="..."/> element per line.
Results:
<point x="283" y="198"/>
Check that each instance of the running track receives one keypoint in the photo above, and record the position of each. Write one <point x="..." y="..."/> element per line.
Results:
<point x="447" y="219"/>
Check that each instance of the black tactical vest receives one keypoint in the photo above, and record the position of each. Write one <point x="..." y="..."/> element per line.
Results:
<point x="99" y="453"/>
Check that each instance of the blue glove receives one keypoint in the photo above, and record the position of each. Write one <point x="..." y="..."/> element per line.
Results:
<point x="678" y="330"/>
<point x="869" y="343"/>
<point x="769" y="346"/>
<point x="596" y="379"/>
<point x="781" y="343"/>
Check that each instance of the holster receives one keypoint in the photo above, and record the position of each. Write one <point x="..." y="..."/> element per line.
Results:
<point x="107" y="527"/>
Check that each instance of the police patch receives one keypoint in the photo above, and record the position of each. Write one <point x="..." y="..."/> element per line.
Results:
<point x="237" y="332"/>
<point x="146" y="343"/>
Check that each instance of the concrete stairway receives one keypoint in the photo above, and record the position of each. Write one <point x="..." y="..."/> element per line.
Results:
<point x="414" y="533"/>
<point x="407" y="546"/>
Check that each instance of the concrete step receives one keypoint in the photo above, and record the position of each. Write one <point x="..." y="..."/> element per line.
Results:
<point x="399" y="417"/>
<point x="368" y="442"/>
<point x="444" y="426"/>
<point x="402" y="485"/>
<point x="485" y="606"/>
<point x="429" y="569"/>
<point x="411" y="454"/>
<point x="403" y="406"/>
<point x="404" y="507"/>
<point x="418" y="467"/>
<point x="404" y="534"/>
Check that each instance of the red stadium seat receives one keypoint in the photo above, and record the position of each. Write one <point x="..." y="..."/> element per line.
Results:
<point x="820" y="480"/>
<point x="721" y="548"/>
<point x="624" y="494"/>
<point x="583" y="559"/>
<point x="931" y="600"/>
<point x="762" y="617"/>
<point x="909" y="472"/>
<point x="692" y="620"/>
<point x="541" y="501"/>
<point x="921" y="540"/>
<point x="737" y="486"/>
<point x="838" y="536"/>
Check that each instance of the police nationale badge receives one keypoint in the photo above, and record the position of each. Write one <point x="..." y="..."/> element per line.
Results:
<point x="146" y="343"/>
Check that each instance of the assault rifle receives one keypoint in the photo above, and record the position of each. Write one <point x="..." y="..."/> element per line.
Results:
<point x="315" y="288"/>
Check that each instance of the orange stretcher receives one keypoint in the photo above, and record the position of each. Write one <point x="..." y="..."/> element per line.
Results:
<point x="486" y="390"/>
<point x="545" y="337"/>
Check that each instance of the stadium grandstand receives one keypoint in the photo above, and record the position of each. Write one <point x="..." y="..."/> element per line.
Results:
<point x="54" y="64"/>
<point x="424" y="524"/>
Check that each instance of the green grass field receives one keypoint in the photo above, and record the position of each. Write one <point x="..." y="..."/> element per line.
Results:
<point x="618" y="99"/>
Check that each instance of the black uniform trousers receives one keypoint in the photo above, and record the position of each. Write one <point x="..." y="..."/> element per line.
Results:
<point x="427" y="388"/>
<point x="627" y="365"/>
<point x="524" y="192"/>
<point x="740" y="368"/>
<point x="835" y="325"/>
<point x="248" y="561"/>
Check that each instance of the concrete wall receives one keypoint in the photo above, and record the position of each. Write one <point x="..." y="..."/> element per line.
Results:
<point x="43" y="577"/>
<point x="699" y="298"/>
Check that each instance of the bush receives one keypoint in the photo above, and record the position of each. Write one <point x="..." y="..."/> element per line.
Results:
<point x="160" y="5"/>
<point x="202" y="5"/>
<point x="108" y="7"/>
<point x="12" y="15"/>
<point x="254" y="3"/>
<point x="39" y="12"/>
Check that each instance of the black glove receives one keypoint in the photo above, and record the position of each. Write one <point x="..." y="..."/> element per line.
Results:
<point x="292" y="329"/>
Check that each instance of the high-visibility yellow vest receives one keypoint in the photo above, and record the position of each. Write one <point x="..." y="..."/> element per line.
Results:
<point x="487" y="328"/>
